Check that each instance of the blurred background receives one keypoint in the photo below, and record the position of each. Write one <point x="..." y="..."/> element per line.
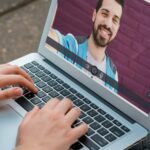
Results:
<point x="21" y="26"/>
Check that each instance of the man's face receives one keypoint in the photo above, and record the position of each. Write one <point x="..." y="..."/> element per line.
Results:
<point x="106" y="22"/>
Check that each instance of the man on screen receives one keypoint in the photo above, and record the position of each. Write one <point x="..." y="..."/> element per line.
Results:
<point x="106" y="22"/>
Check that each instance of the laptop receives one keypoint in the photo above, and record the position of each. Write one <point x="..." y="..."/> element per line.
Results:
<point x="116" y="116"/>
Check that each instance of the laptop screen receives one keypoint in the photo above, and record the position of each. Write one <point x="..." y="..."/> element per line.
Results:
<point x="108" y="40"/>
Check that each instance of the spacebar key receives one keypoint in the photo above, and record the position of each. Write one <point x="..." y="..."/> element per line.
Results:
<point x="87" y="142"/>
<point x="24" y="103"/>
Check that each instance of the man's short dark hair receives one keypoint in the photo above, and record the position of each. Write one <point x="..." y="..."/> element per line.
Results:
<point x="100" y="2"/>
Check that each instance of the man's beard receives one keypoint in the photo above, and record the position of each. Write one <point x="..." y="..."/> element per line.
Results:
<point x="99" y="40"/>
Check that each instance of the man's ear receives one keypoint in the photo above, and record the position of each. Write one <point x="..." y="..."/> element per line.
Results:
<point x="94" y="15"/>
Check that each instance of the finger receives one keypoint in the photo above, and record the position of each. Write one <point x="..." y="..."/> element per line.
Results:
<point x="11" y="93"/>
<point x="6" y="80"/>
<point x="79" y="131"/>
<point x="64" y="106"/>
<point x="4" y="65"/>
<point x="13" y="69"/>
<point x="72" y="115"/>
<point x="50" y="105"/>
<point x="30" y="114"/>
<point x="25" y="121"/>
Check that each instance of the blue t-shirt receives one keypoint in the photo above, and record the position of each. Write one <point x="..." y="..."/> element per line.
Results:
<point x="70" y="42"/>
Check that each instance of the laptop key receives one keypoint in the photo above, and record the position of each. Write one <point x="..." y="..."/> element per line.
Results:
<point x="34" y="70"/>
<point x="66" y="86"/>
<point x="52" y="83"/>
<point x="40" y="74"/>
<point x="95" y="125"/>
<point x="46" y="79"/>
<point x="53" y="94"/>
<point x="72" y="90"/>
<point x="88" y="120"/>
<point x="46" y="99"/>
<point x="110" y="137"/>
<point x="117" y="131"/>
<point x="102" y="112"/>
<point x="41" y="105"/>
<point x="109" y="117"/>
<point x="78" y="102"/>
<point x="59" y="81"/>
<point x="41" y="94"/>
<point x="41" y="84"/>
<point x="99" y="118"/>
<point x="25" y="91"/>
<point x="89" y="143"/>
<point x="72" y="97"/>
<point x="92" y="113"/>
<point x="90" y="132"/>
<point x="29" y="65"/>
<point x="76" y="146"/>
<point x="24" y="103"/>
<point x="85" y="108"/>
<point x="117" y="123"/>
<point x="125" y="129"/>
<point x="35" y="100"/>
<point x="40" y="67"/>
<point x="107" y="124"/>
<point x="47" y="71"/>
<point x="79" y="95"/>
<point x="102" y="131"/>
<point x="58" y="88"/>
<point x="87" y="101"/>
<point x="65" y="93"/>
<point x="60" y="97"/>
<point x="29" y="95"/>
<point x="53" y="76"/>
<point x="99" y="140"/>
<point x="35" y="79"/>
<point x="47" y="89"/>
<point x="94" y="106"/>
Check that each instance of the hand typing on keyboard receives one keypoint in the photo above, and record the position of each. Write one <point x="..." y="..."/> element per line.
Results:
<point x="11" y="75"/>
<point x="50" y="128"/>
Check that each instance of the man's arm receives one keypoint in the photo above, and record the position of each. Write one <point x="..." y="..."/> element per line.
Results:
<point x="52" y="33"/>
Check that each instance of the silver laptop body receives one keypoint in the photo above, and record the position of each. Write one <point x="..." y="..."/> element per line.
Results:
<point x="11" y="113"/>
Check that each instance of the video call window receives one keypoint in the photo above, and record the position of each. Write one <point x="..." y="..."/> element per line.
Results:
<point x="112" y="38"/>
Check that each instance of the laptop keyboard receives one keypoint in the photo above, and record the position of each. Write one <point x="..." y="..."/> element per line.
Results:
<point x="103" y="128"/>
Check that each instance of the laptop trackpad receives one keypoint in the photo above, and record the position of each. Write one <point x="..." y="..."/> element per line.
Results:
<point x="9" y="122"/>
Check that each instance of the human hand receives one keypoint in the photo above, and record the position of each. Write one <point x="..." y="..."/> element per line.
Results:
<point x="50" y="128"/>
<point x="13" y="75"/>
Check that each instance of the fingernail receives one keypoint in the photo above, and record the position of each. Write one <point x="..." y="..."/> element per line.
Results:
<point x="18" y="91"/>
<point x="36" y="90"/>
<point x="32" y="81"/>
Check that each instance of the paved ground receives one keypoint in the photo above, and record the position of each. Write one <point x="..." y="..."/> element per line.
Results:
<point x="21" y="25"/>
